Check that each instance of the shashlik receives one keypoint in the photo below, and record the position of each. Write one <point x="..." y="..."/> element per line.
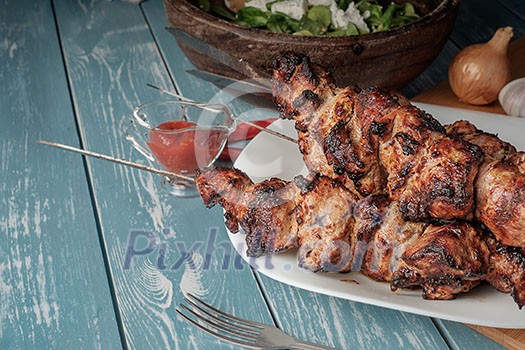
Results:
<point x="334" y="231"/>
<point x="374" y="141"/>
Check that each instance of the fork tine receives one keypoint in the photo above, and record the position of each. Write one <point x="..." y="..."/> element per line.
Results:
<point x="227" y="316"/>
<point x="216" y="334"/>
<point x="252" y="331"/>
<point x="220" y="327"/>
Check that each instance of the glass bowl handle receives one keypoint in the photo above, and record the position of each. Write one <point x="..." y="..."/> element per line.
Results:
<point x="129" y="128"/>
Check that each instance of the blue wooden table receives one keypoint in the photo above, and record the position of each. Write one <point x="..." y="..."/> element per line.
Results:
<point x="95" y="255"/>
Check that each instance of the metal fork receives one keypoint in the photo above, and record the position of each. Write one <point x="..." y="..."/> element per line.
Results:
<point x="239" y="331"/>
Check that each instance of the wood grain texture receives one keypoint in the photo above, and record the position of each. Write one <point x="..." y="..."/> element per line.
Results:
<point x="346" y="324"/>
<point x="513" y="339"/>
<point x="110" y="55"/>
<point x="52" y="277"/>
<point x="517" y="7"/>
<point x="54" y="291"/>
<point x="459" y="336"/>
<point x="478" y="20"/>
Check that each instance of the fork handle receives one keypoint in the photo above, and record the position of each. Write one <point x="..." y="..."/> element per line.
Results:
<point x="304" y="345"/>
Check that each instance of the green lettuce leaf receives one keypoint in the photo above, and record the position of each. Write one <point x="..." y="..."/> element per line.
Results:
<point x="252" y="17"/>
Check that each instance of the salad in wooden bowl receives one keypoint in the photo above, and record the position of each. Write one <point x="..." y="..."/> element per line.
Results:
<point x="388" y="45"/>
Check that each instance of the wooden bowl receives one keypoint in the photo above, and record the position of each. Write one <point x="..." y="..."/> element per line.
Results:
<point x="389" y="59"/>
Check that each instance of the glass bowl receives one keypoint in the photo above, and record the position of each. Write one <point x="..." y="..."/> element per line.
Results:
<point x="180" y="136"/>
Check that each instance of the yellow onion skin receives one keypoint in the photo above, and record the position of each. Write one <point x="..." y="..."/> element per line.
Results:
<point x="479" y="72"/>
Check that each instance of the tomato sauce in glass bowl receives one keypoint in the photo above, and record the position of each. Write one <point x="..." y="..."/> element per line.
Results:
<point x="181" y="136"/>
<point x="182" y="146"/>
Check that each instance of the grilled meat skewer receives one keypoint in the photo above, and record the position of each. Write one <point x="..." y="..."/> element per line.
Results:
<point x="499" y="185"/>
<point x="375" y="138"/>
<point x="334" y="231"/>
<point x="375" y="142"/>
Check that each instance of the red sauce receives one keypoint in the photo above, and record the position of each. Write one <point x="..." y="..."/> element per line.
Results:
<point x="183" y="151"/>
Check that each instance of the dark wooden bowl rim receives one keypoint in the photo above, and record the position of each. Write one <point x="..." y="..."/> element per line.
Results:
<point x="261" y="35"/>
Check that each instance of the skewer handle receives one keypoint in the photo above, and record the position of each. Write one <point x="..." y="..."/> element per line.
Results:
<point x="117" y="160"/>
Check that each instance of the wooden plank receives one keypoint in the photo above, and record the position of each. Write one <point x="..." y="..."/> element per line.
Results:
<point x="346" y="324"/>
<point x="110" y="55"/>
<point x="459" y="336"/>
<point x="513" y="339"/>
<point x="479" y="19"/>
<point x="54" y="291"/>
<point x="515" y="6"/>
<point x="308" y="315"/>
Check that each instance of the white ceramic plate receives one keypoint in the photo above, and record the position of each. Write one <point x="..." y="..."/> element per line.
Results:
<point x="268" y="156"/>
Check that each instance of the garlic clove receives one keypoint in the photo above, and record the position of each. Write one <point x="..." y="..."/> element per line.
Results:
<point x="512" y="98"/>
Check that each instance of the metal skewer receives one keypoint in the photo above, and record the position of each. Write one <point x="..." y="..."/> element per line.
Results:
<point x="117" y="160"/>
<point x="185" y="99"/>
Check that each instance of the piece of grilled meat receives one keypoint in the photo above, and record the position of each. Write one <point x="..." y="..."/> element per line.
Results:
<point x="430" y="174"/>
<point x="500" y="193"/>
<point x="315" y="215"/>
<point x="351" y="144"/>
<point x="376" y="138"/>
<point x="500" y="184"/>
<point x="265" y="211"/>
<point x="506" y="270"/>
<point x="492" y="146"/>
<point x="381" y="236"/>
<point x="325" y="225"/>
<point x="444" y="261"/>
<point x="301" y="92"/>
<point x="226" y="187"/>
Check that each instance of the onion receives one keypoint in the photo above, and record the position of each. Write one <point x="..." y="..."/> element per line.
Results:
<point x="479" y="72"/>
